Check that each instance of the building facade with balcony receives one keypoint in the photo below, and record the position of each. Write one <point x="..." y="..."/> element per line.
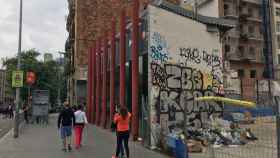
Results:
<point x="81" y="27"/>
<point x="243" y="46"/>
<point x="276" y="38"/>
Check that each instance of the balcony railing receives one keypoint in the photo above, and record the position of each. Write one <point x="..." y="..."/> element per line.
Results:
<point x="250" y="36"/>
<point x="244" y="37"/>
<point x="232" y="56"/>
<point x="246" y="56"/>
<point x="254" y="37"/>
<point x="230" y="13"/>
<point x="252" y="1"/>
<point x="257" y="19"/>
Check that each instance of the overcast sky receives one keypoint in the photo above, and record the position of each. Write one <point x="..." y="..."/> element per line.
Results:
<point x="43" y="26"/>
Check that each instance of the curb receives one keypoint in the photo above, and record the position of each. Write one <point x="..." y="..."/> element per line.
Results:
<point x="10" y="132"/>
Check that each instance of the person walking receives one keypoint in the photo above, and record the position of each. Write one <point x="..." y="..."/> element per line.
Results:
<point x="65" y="122"/>
<point x="11" y="112"/>
<point x="25" y="113"/>
<point x="122" y="121"/>
<point x="114" y="129"/>
<point x="80" y="122"/>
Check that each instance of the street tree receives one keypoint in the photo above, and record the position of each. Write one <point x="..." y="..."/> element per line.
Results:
<point x="46" y="73"/>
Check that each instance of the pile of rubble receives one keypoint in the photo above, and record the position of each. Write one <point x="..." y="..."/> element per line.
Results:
<point x="219" y="133"/>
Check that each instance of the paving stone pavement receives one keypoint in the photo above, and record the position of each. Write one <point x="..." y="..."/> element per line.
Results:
<point x="38" y="141"/>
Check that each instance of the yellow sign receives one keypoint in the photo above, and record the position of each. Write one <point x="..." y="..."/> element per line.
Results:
<point x="17" y="79"/>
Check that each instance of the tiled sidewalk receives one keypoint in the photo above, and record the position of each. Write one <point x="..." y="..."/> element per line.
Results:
<point x="43" y="142"/>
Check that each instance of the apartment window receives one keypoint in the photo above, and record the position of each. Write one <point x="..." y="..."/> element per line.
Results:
<point x="277" y="12"/>
<point x="241" y="28"/>
<point x="227" y="48"/>
<point x="278" y="26"/>
<point x="242" y="8"/>
<point x="250" y="12"/>
<point x="278" y="56"/>
<point x="226" y="9"/>
<point x="260" y="13"/>
<point x="226" y="6"/>
<point x="252" y="50"/>
<point x="253" y="73"/>
<point x="278" y="41"/>
<point x="251" y="29"/>
<point x="240" y="73"/>
<point x="241" y="50"/>
<point x="228" y="39"/>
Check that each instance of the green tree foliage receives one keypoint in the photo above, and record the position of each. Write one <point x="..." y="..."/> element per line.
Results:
<point x="47" y="73"/>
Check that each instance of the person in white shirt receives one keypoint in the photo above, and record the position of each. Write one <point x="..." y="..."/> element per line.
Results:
<point x="80" y="121"/>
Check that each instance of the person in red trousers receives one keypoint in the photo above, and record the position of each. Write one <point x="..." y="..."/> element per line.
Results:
<point x="80" y="122"/>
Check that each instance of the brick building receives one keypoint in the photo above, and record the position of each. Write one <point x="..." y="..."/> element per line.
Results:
<point x="87" y="20"/>
<point x="244" y="45"/>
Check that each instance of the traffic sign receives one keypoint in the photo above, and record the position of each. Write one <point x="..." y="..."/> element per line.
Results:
<point x="17" y="79"/>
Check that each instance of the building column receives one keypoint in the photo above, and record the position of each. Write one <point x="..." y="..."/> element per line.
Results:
<point x="93" y="111"/>
<point x="112" y="69"/>
<point x="104" y="81"/>
<point x="135" y="69"/>
<point x="89" y="84"/>
<point x="98" y="94"/>
<point x="122" y="57"/>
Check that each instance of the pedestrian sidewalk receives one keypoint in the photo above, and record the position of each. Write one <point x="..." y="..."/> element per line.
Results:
<point x="38" y="141"/>
<point x="5" y="126"/>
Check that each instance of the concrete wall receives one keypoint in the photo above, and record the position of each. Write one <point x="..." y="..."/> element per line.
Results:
<point x="211" y="9"/>
<point x="184" y="62"/>
<point x="205" y="7"/>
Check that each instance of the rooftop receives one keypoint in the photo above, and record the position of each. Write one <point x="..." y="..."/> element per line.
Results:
<point x="221" y="23"/>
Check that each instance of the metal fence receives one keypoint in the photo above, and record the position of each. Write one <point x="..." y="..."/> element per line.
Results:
<point x="237" y="133"/>
<point x="252" y="133"/>
<point x="245" y="133"/>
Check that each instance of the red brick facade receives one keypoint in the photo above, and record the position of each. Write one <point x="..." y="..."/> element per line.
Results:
<point x="93" y="18"/>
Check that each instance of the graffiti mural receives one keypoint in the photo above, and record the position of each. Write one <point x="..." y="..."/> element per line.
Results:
<point x="198" y="56"/>
<point x="178" y="87"/>
<point x="178" y="77"/>
<point x="159" y="48"/>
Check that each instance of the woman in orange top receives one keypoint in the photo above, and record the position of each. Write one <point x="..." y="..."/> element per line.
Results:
<point x="122" y="120"/>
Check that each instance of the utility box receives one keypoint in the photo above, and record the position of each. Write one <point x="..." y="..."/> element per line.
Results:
<point x="40" y="102"/>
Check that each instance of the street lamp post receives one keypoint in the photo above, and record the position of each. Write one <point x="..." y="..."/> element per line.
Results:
<point x="59" y="78"/>
<point x="60" y="74"/>
<point x="16" y="120"/>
